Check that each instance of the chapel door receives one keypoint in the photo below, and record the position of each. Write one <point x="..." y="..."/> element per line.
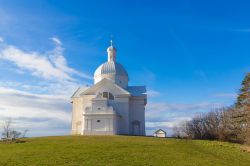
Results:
<point x="136" y="128"/>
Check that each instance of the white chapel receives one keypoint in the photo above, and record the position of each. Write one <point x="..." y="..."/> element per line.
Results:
<point x="110" y="106"/>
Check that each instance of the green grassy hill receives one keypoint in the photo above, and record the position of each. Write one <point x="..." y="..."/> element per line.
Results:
<point x="120" y="150"/>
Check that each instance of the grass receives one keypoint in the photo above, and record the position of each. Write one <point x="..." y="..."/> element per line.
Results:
<point x="246" y="148"/>
<point x="121" y="150"/>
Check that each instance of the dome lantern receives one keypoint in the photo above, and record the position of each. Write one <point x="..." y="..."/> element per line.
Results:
<point x="111" y="52"/>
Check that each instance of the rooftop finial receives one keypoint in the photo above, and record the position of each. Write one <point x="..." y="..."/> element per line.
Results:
<point x="111" y="43"/>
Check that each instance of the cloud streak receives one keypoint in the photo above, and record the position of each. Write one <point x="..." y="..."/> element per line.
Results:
<point x="34" y="111"/>
<point x="167" y="115"/>
<point x="51" y="65"/>
<point x="161" y="106"/>
<point x="43" y="105"/>
<point x="153" y="93"/>
<point x="227" y="95"/>
<point x="241" y="30"/>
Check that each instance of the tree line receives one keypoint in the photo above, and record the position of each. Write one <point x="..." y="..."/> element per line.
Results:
<point x="9" y="134"/>
<point x="230" y="124"/>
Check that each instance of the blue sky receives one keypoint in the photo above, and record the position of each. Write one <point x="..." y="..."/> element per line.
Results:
<point x="191" y="55"/>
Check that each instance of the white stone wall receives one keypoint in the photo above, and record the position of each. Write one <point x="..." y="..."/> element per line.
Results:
<point x="99" y="124"/>
<point x="137" y="113"/>
<point x="79" y="104"/>
<point x="121" y="106"/>
<point x="129" y="118"/>
<point x="76" y="116"/>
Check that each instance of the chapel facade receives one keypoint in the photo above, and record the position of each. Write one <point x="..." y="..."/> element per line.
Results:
<point x="110" y="106"/>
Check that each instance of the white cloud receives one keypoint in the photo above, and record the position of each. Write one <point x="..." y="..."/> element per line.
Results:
<point x="240" y="30"/>
<point x="153" y="93"/>
<point x="57" y="58"/>
<point x="227" y="95"/>
<point x="42" y="105"/>
<point x="168" y="123"/>
<point x="162" y="112"/>
<point x="167" y="115"/>
<point x="39" y="65"/>
<point x="161" y="106"/>
<point x="51" y="66"/>
<point x="56" y="40"/>
<point x="34" y="111"/>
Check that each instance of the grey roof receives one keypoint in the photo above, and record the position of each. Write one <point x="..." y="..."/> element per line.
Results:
<point x="137" y="90"/>
<point x="79" y="91"/>
<point x="133" y="90"/>
<point x="111" y="68"/>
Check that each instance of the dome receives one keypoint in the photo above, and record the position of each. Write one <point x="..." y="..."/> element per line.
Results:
<point x="113" y="71"/>
<point x="111" y="68"/>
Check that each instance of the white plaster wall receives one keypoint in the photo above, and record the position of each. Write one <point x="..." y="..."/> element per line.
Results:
<point x="76" y="117"/>
<point x="102" y="104"/>
<point x="121" y="106"/>
<point x="106" y="126"/>
<point x="79" y="104"/>
<point x="137" y="113"/>
<point x="129" y="108"/>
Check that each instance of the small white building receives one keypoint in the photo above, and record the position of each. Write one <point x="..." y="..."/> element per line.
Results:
<point x="160" y="133"/>
<point x="110" y="106"/>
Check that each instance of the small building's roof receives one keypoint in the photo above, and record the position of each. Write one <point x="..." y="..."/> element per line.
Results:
<point x="157" y="131"/>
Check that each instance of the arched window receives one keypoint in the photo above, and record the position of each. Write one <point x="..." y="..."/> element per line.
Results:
<point x="108" y="95"/>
